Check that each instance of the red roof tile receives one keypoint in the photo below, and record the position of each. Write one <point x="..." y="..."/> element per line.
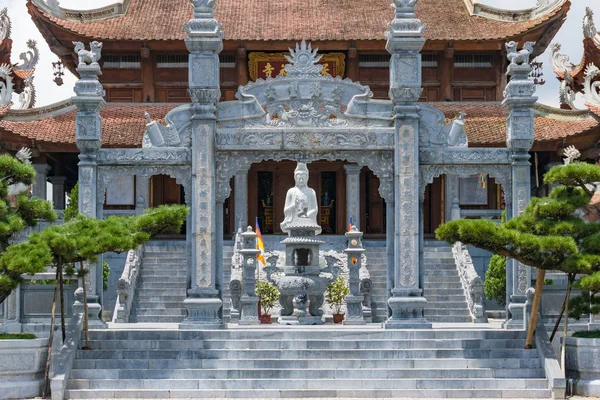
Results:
<point x="294" y="20"/>
<point x="124" y="124"/>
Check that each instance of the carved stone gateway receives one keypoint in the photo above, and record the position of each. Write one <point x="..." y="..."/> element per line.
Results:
<point x="305" y="116"/>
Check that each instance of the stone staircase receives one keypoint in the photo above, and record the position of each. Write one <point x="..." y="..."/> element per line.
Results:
<point x="161" y="286"/>
<point x="377" y="266"/>
<point x="317" y="362"/>
<point x="446" y="301"/>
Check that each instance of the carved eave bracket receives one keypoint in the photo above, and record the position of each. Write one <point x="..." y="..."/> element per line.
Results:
<point x="177" y="132"/>
<point x="433" y="132"/>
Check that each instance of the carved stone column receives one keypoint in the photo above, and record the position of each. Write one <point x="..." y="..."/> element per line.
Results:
<point x="452" y="199"/>
<point x="405" y="41"/>
<point x="58" y="191"/>
<point x="204" y="42"/>
<point x="241" y="198"/>
<point x="88" y="134"/>
<point x="353" y="194"/>
<point x="386" y="191"/>
<point x="518" y="100"/>
<point x="39" y="187"/>
<point x="249" y="300"/>
<point x="142" y="193"/>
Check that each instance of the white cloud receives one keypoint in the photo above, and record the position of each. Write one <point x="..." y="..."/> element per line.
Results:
<point x="570" y="36"/>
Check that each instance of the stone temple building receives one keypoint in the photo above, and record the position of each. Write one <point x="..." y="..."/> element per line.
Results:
<point x="406" y="117"/>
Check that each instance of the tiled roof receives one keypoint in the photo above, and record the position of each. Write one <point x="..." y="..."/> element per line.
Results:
<point x="294" y="20"/>
<point x="486" y="122"/>
<point x="124" y="123"/>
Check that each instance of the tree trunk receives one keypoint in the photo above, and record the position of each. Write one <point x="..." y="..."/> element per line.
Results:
<point x="46" y="390"/>
<point x="62" y="300"/>
<point x="85" y="305"/>
<point x="563" y="351"/>
<point x="557" y="324"/>
<point x="535" y="308"/>
<point x="4" y="295"/>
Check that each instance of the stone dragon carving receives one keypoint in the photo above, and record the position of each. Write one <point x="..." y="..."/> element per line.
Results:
<point x="6" y="86"/>
<point x="589" y="28"/>
<point x="560" y="62"/>
<point x="433" y="132"/>
<point x="566" y="94"/>
<point x="87" y="57"/>
<point x="591" y="86"/>
<point x="174" y="134"/>
<point x="5" y="24"/>
<point x="30" y="57"/>
<point x="23" y="155"/>
<point x="519" y="57"/>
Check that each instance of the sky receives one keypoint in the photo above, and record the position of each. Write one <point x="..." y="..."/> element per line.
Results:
<point x="570" y="36"/>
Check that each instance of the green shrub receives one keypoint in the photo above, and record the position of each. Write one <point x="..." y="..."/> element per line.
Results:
<point x="587" y="334"/>
<point x="105" y="275"/>
<point x="7" y="336"/>
<point x="494" y="286"/>
<point x="268" y="294"/>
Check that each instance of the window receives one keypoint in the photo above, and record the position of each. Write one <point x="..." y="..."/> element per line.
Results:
<point x="227" y="60"/>
<point x="121" y="61"/>
<point x="374" y="61"/>
<point x="171" y="61"/>
<point x="472" y="61"/>
<point x="430" y="60"/>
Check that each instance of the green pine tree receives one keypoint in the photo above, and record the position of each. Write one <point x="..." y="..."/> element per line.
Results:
<point x="18" y="210"/>
<point x="548" y="235"/>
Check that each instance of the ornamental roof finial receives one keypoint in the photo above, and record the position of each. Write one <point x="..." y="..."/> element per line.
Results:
<point x="304" y="60"/>
<point x="589" y="28"/>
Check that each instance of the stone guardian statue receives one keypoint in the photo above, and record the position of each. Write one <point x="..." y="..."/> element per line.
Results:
<point x="300" y="201"/>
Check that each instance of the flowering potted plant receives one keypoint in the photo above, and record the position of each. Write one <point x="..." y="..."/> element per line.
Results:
<point x="336" y="294"/>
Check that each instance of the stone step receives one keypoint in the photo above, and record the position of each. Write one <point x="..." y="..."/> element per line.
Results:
<point x="453" y="312"/>
<point x="158" y="298"/>
<point x="158" y="304"/>
<point x="161" y="279"/>
<point x="449" y="319"/>
<point x="299" y="353"/>
<point x="275" y="333"/>
<point x="142" y="311"/>
<point x="306" y="393"/>
<point x="156" y="318"/>
<point x="431" y="304"/>
<point x="431" y="291"/>
<point x="476" y="383"/>
<point x="308" y="364"/>
<point x="305" y="344"/>
<point x="162" y="285"/>
<point x="355" y="373"/>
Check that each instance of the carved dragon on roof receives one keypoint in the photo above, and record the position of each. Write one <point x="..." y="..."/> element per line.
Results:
<point x="591" y="86"/>
<point x="27" y="96"/>
<point x="6" y="86"/>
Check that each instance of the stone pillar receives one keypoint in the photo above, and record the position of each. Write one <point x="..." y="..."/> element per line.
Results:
<point x="452" y="192"/>
<point x="58" y="191"/>
<point x="142" y="194"/>
<point x="518" y="100"/>
<point x="241" y="199"/>
<point x="41" y="176"/>
<point x="249" y="300"/>
<point x="354" y="252"/>
<point x="405" y="41"/>
<point x="12" y="314"/>
<point x="353" y="194"/>
<point x="88" y="135"/>
<point x="204" y="42"/>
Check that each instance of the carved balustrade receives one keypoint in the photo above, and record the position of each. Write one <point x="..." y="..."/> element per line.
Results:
<point x="471" y="282"/>
<point x="126" y="285"/>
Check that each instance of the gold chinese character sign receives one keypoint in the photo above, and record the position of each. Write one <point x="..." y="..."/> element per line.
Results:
<point x="265" y="65"/>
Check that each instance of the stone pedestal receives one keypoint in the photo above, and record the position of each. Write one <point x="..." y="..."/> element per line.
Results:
<point x="303" y="285"/>
<point x="354" y="252"/>
<point x="249" y="300"/>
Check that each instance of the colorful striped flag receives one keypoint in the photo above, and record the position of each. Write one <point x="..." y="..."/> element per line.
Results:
<point x="350" y="225"/>
<point x="260" y="245"/>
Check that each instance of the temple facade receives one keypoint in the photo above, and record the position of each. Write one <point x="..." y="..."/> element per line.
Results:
<point x="400" y="132"/>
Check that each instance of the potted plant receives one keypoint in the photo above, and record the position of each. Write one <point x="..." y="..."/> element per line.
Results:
<point x="336" y="293"/>
<point x="267" y="294"/>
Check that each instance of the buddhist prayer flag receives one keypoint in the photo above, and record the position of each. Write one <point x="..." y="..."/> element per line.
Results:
<point x="482" y="181"/>
<point x="260" y="245"/>
<point x="350" y="224"/>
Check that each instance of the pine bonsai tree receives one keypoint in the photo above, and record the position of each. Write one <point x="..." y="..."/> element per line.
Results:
<point x="548" y="235"/>
<point x="18" y="210"/>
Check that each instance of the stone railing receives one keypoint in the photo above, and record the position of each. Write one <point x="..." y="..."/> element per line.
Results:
<point x="63" y="354"/>
<point x="126" y="285"/>
<point x="235" y="282"/>
<point x="471" y="282"/>
<point x="365" y="290"/>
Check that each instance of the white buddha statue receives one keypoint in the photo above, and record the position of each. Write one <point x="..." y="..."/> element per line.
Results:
<point x="300" y="201"/>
